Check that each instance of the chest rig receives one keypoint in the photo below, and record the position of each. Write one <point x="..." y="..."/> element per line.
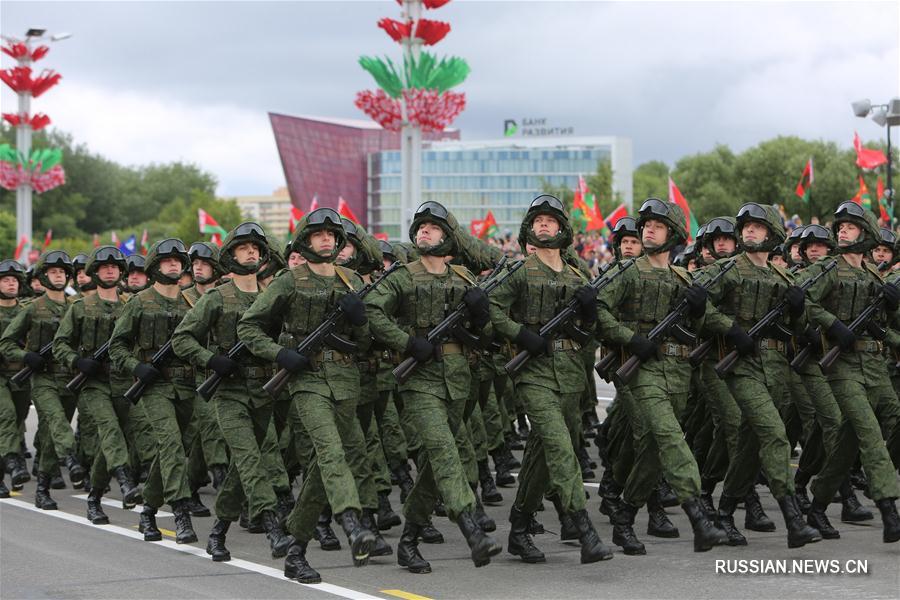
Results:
<point x="856" y="289"/>
<point x="430" y="298"/>
<point x="158" y="321"/>
<point x="224" y="331"/>
<point x="546" y="293"/>
<point x="98" y="322"/>
<point x="314" y="298"/>
<point x="654" y="296"/>
<point x="45" y="317"/>
<point x="757" y="293"/>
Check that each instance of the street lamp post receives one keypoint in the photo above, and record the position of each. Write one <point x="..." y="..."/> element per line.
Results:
<point x="887" y="116"/>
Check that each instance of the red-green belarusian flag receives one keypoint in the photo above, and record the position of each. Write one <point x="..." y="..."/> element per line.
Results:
<point x="482" y="228"/>
<point x="208" y="224"/>
<point x="614" y="217"/>
<point x="676" y="197"/>
<point x="294" y="221"/>
<point x="345" y="211"/>
<point x="806" y="180"/>
<point x="580" y="211"/>
<point x="145" y="243"/>
<point x="862" y="196"/>
<point x="887" y="211"/>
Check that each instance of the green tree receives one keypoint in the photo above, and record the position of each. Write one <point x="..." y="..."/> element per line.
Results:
<point x="8" y="239"/>
<point x="650" y="180"/>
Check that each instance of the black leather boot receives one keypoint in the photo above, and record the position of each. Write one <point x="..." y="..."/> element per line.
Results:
<point x="489" y="493"/>
<point x="42" y="497"/>
<point x="380" y="547"/>
<point x="184" y="529"/>
<point x="408" y="554"/>
<point x="817" y="519"/>
<point x="16" y="470"/>
<point x="23" y="474"/>
<point x="95" y="512"/>
<point x="76" y="471"/>
<point x="592" y="549"/>
<point x="658" y="524"/>
<point x="801" y="480"/>
<point x="725" y="520"/>
<point x="706" y="535"/>
<point x="440" y="510"/>
<point x="755" y="518"/>
<point x="219" y="472"/>
<point x="215" y="545"/>
<point x="405" y="482"/>
<point x="511" y="461"/>
<point x="279" y="541"/>
<point x="195" y="507"/>
<point x="387" y="518"/>
<point x="131" y="493"/>
<point x="147" y="525"/>
<point x="851" y="510"/>
<point x="297" y="567"/>
<point x="360" y="539"/>
<point x="799" y="533"/>
<point x="482" y="545"/>
<point x="324" y="534"/>
<point x="503" y="477"/>
<point x="667" y="495"/>
<point x="535" y="527"/>
<point x="429" y="534"/>
<point x="584" y="462"/>
<point x="482" y="518"/>
<point x="285" y="504"/>
<point x="520" y="543"/>
<point x="567" y="529"/>
<point x="57" y="482"/>
<point x="623" y="530"/>
<point x="890" y="520"/>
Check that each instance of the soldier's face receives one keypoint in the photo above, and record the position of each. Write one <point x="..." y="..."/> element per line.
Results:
<point x="654" y="233"/>
<point x="778" y="260"/>
<point x="137" y="279"/>
<point x="847" y="233"/>
<point x="322" y="242"/>
<point x="429" y="234"/>
<point x="706" y="257"/>
<point x="795" y="253"/>
<point x="108" y="273"/>
<point x="754" y="233"/>
<point x="723" y="244"/>
<point x="630" y="246"/>
<point x="9" y="285"/>
<point x="57" y="276"/>
<point x="246" y="254"/>
<point x="346" y="254"/>
<point x="386" y="262"/>
<point x="815" y="251"/>
<point x="200" y="268"/>
<point x="545" y="227"/>
<point x="36" y="285"/>
<point x="295" y="259"/>
<point x="171" y="266"/>
<point x="882" y="253"/>
<point x="81" y="278"/>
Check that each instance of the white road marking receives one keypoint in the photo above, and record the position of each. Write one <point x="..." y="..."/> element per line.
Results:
<point x="114" y="504"/>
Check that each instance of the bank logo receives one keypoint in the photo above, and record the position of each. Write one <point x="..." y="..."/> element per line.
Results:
<point x="510" y="127"/>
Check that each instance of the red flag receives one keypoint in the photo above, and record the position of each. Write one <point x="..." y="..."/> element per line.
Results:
<point x="217" y="239"/>
<point x="315" y="203"/>
<point x="145" y="243"/>
<point x="344" y="210"/>
<point x="296" y="215"/>
<point x="485" y="227"/>
<point x="47" y="239"/>
<point x="209" y="225"/>
<point x="381" y="236"/>
<point x="617" y="214"/>
<point x="879" y="188"/>
<point x="862" y="196"/>
<point x="866" y="158"/>
<point x="676" y="197"/>
<point x="806" y="180"/>
<point x="475" y="227"/>
<point x="20" y="247"/>
<point x="96" y="240"/>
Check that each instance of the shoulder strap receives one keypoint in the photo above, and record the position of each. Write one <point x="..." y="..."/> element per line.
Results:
<point x="784" y="274"/>
<point x="577" y="271"/>
<point x="344" y="275"/>
<point x="191" y="301"/>
<point x="683" y="274"/>
<point x="463" y="273"/>
<point x="415" y="266"/>
<point x="874" y="270"/>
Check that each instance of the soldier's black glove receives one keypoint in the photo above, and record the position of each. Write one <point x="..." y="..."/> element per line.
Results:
<point x="696" y="298"/>
<point x="419" y="348"/>
<point x="587" y="303"/>
<point x="641" y="347"/>
<point x="354" y="308"/>
<point x="146" y="372"/>
<point x="876" y="331"/>
<point x="292" y="361"/>
<point x="476" y="301"/>
<point x="796" y="300"/>
<point x="531" y="341"/>
<point x="891" y="297"/>
<point x="741" y="340"/>
<point x="88" y="366"/>
<point x="222" y="365"/>
<point x="841" y="335"/>
<point x="35" y="361"/>
<point x="813" y="336"/>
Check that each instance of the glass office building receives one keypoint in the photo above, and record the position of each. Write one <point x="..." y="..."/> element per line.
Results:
<point x="502" y="176"/>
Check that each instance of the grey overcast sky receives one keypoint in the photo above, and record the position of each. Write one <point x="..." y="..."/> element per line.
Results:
<point x="158" y="81"/>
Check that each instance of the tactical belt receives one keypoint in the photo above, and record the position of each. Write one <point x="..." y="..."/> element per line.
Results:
<point x="257" y="372"/>
<point x="368" y="366"/>
<point x="177" y="372"/>
<point x="450" y="348"/>
<point x="562" y="344"/>
<point x="331" y="356"/>
<point x="771" y="344"/>
<point x="868" y="346"/>
<point x="677" y="350"/>
<point x="387" y="357"/>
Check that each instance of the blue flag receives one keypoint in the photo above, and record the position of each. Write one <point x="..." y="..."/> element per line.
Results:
<point x="129" y="246"/>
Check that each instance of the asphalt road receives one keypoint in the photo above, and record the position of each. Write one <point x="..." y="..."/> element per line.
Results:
<point x="58" y="554"/>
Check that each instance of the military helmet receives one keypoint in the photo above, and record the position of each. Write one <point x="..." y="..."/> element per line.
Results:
<point x="387" y="251"/>
<point x="815" y="234"/>
<point x="545" y="204"/>
<point x="715" y="228"/>
<point x="318" y="220"/>
<point x="274" y="263"/>
<point x="245" y="232"/>
<point x="888" y="238"/>
<point x="167" y="248"/>
<point x="12" y="268"/>
<point x="794" y="236"/>
<point x="869" y="235"/>
<point x="207" y="252"/>
<point x="135" y="262"/>
<point x="698" y="239"/>
<point x="668" y="213"/>
<point x="624" y="227"/>
<point x="366" y="249"/>
<point x="79" y="262"/>
<point x="104" y="255"/>
<point x="436" y="213"/>
<point x="767" y="215"/>
<point x="54" y="258"/>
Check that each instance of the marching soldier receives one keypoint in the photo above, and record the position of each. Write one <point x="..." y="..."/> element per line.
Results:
<point x="14" y="399"/>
